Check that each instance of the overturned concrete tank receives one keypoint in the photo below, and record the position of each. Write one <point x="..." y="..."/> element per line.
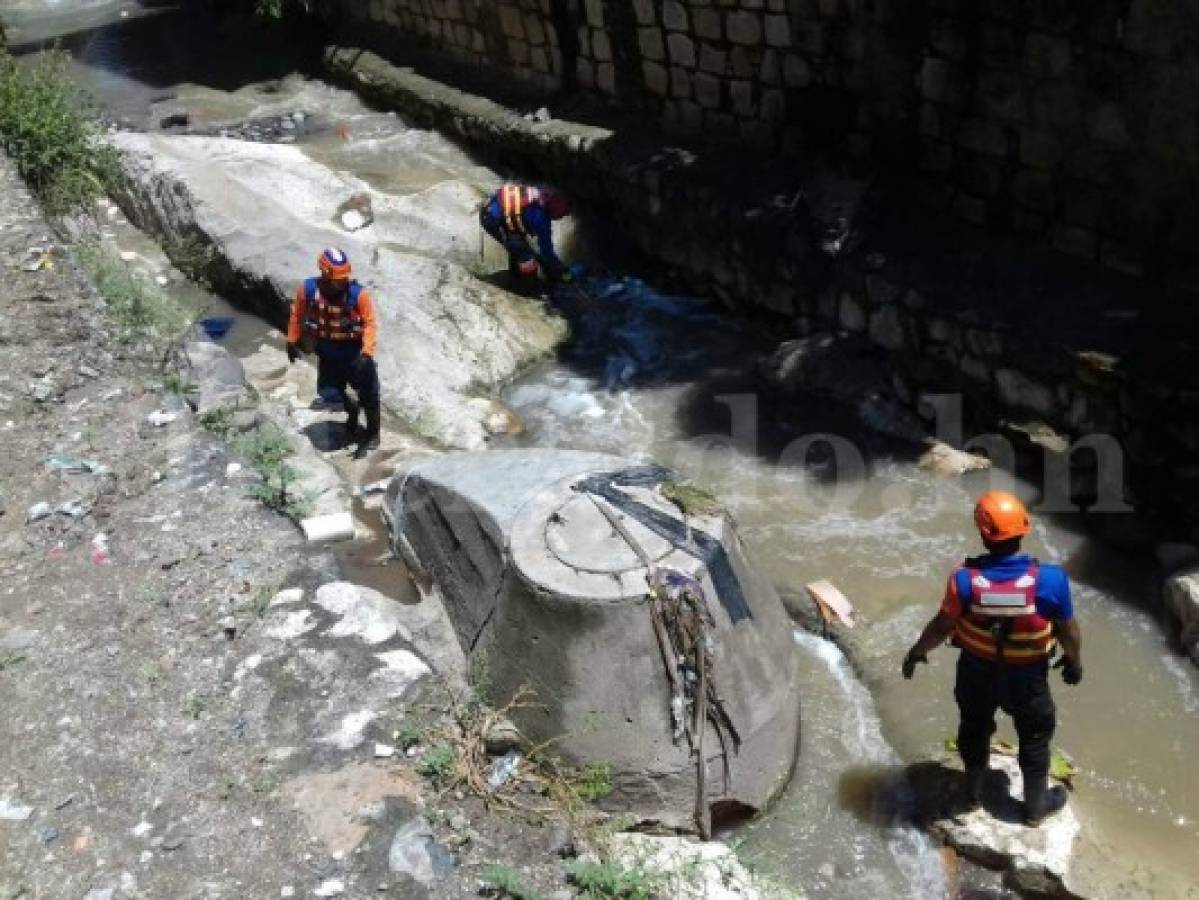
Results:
<point x="543" y="559"/>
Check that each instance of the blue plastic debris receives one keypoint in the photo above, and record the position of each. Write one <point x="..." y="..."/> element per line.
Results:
<point x="217" y="327"/>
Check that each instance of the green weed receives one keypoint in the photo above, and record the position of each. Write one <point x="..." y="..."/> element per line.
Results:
<point x="437" y="763"/>
<point x="8" y="660"/>
<point x="267" y="450"/>
<point x="409" y="735"/>
<point x="218" y="422"/>
<point x="691" y="499"/>
<point x="142" y="309"/>
<point x="51" y="132"/>
<point x="503" y="881"/>
<point x="594" y="782"/>
<point x="609" y="881"/>
<point x="195" y="707"/>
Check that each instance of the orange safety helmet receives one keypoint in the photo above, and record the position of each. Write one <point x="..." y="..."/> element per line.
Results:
<point x="556" y="204"/>
<point x="1001" y="516"/>
<point x="334" y="264"/>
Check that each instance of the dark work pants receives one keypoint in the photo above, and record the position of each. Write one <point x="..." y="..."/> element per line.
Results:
<point x="981" y="689"/>
<point x="516" y="245"/>
<point x="360" y="373"/>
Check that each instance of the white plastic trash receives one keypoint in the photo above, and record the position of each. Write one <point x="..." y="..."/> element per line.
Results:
<point x="334" y="527"/>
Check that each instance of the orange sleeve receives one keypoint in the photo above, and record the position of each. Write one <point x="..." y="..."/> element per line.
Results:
<point x="296" y="317"/>
<point x="951" y="605"/>
<point x="370" y="325"/>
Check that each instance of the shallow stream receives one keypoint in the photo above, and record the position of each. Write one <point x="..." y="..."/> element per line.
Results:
<point x="671" y="379"/>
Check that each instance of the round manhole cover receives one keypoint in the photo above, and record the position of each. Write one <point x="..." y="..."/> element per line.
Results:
<point x="579" y="535"/>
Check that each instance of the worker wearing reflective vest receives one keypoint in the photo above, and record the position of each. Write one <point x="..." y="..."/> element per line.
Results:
<point x="334" y="316"/>
<point x="1006" y="612"/>
<point x="516" y="214"/>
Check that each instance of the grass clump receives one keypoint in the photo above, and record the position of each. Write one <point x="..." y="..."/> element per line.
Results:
<point x="142" y="309"/>
<point x="691" y="499"/>
<point x="51" y="132"/>
<point x="594" y="782"/>
<point x="437" y="764"/>
<point x="267" y="450"/>
<point x="502" y="881"/>
<point x="609" y="881"/>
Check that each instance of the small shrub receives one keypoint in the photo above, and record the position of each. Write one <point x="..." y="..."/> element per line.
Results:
<point x="608" y="881"/>
<point x="267" y="450"/>
<point x="437" y="763"/>
<point x="504" y="882"/>
<point x="51" y="132"/>
<point x="218" y="422"/>
<point x="409" y="735"/>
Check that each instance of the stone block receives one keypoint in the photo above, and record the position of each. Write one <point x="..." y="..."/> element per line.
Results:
<point x="650" y="41"/>
<point x="1075" y="241"/>
<point x="850" y="314"/>
<point x="655" y="77"/>
<point x="930" y="120"/>
<point x="1106" y="123"/>
<point x="796" y="71"/>
<point x="680" y="83"/>
<point x="886" y="328"/>
<point x="936" y="158"/>
<point x="706" y="24"/>
<point x="511" y="22"/>
<point x="1000" y="46"/>
<point x="1055" y="106"/>
<point x="943" y="330"/>
<point x="601" y="46"/>
<point x="534" y="30"/>
<point x="682" y="50"/>
<point x="674" y="15"/>
<point x="605" y="78"/>
<point x="584" y="41"/>
<point x="518" y="51"/>
<point x="753" y="4"/>
<point x="691" y="116"/>
<point x="743" y="28"/>
<point x="742" y="95"/>
<point x="1001" y="95"/>
<point x="1083" y="204"/>
<point x="741" y="63"/>
<point x="707" y="91"/>
<point x="770" y="72"/>
<point x="942" y="82"/>
<point x="539" y="60"/>
<point x="972" y="209"/>
<point x="1025" y="221"/>
<point x="811" y="37"/>
<point x="1040" y="149"/>
<point x="981" y="175"/>
<point x="585" y="72"/>
<point x="947" y="39"/>
<point x="1046" y="55"/>
<point x="778" y="31"/>
<point x="982" y="136"/>
<point x="1035" y="189"/>
<point x="712" y="59"/>
<point x="595" y="12"/>
<point x="1122" y="258"/>
<point x="774" y="106"/>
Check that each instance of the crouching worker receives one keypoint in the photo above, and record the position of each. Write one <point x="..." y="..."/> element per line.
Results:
<point x="515" y="215"/>
<point x="334" y="316"/>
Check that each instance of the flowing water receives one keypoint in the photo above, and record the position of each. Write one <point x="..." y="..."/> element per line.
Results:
<point x="650" y="376"/>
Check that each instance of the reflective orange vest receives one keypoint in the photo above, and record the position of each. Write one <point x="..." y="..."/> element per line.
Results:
<point x="513" y="200"/>
<point x="1004" y="614"/>
<point x="332" y="321"/>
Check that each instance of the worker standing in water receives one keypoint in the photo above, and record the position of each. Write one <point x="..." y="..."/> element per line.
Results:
<point x="334" y="316"/>
<point x="1005" y="611"/>
<point x="517" y="214"/>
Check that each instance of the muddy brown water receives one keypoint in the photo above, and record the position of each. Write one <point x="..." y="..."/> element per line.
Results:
<point x="661" y="378"/>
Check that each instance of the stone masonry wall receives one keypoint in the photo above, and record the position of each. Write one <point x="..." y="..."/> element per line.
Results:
<point x="1074" y="123"/>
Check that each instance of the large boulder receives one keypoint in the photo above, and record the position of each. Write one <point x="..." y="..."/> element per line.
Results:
<point x="541" y="558"/>
<point x="263" y="213"/>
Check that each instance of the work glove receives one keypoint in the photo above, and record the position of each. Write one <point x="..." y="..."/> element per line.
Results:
<point x="361" y="366"/>
<point x="1071" y="671"/>
<point x="293" y="352"/>
<point x="909" y="663"/>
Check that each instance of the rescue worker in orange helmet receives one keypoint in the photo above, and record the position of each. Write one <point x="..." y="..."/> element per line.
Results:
<point x="516" y="214"/>
<point x="1005" y="611"/>
<point x="334" y="316"/>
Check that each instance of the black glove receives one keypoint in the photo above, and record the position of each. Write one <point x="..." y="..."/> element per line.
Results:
<point x="1071" y="671"/>
<point x="909" y="663"/>
<point x="293" y="352"/>
<point x="361" y="366"/>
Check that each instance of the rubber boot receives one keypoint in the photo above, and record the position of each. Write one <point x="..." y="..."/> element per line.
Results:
<point x="972" y="787"/>
<point x="352" y="424"/>
<point x="369" y="440"/>
<point x="1042" y="801"/>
